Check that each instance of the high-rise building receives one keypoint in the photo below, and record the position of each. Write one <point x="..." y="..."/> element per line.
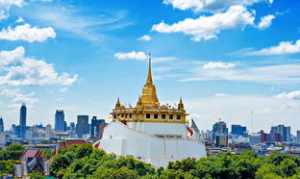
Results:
<point x="23" y="114"/>
<point x="60" y="124"/>
<point x="220" y="134"/>
<point x="1" y="125"/>
<point x="238" y="130"/>
<point x="281" y="133"/>
<point x="97" y="126"/>
<point x="82" y="126"/>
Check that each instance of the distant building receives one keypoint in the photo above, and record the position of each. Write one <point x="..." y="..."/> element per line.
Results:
<point x="281" y="133"/>
<point x="238" y="130"/>
<point x="82" y="127"/>
<point x="97" y="126"/>
<point x="72" y="129"/>
<point x="23" y="114"/>
<point x="60" y="124"/>
<point x="298" y="137"/>
<point x="220" y="134"/>
<point x="260" y="137"/>
<point x="1" y="125"/>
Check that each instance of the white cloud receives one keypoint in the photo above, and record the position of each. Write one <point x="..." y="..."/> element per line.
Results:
<point x="75" y="21"/>
<point x="20" y="20"/>
<point x="133" y="55"/>
<point x="5" y="5"/>
<point x="145" y="38"/>
<point x="283" y="48"/>
<point x="27" y="33"/>
<point x="289" y="95"/>
<point x="218" y="66"/>
<point x="208" y="27"/>
<point x="11" y="57"/>
<point x="284" y="74"/>
<point x="266" y="21"/>
<point x="209" y="5"/>
<point x="17" y="96"/>
<point x="19" y="70"/>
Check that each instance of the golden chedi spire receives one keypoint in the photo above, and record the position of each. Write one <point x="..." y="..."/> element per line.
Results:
<point x="149" y="96"/>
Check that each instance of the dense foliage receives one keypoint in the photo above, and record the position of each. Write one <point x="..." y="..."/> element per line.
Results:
<point x="85" y="162"/>
<point x="9" y="156"/>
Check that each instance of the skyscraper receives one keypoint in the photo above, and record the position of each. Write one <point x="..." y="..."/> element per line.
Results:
<point x="23" y="113"/>
<point x="238" y="130"/>
<point x="96" y="127"/>
<point x="60" y="124"/>
<point x="82" y="126"/>
<point x="1" y="125"/>
<point x="220" y="134"/>
<point x="281" y="133"/>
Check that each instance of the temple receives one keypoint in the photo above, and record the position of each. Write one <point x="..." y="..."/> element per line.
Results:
<point x="148" y="108"/>
<point x="151" y="132"/>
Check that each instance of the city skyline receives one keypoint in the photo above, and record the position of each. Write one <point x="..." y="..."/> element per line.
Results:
<point x="243" y="70"/>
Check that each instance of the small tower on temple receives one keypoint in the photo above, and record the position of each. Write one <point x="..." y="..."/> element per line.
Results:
<point x="118" y="104"/>
<point x="180" y="105"/>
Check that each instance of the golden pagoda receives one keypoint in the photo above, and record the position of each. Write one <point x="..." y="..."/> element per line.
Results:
<point x="148" y="108"/>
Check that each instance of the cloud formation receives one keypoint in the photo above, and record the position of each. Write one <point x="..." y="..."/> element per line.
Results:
<point x="19" y="70"/>
<point x="133" y="55"/>
<point x="145" y="38"/>
<point x="289" y="95"/>
<point x="208" y="27"/>
<point x="76" y="21"/>
<point x="5" y="5"/>
<point x="17" y="97"/>
<point x="266" y="21"/>
<point x="283" y="48"/>
<point x="218" y="66"/>
<point x="209" y="5"/>
<point x="27" y="33"/>
<point x="284" y="74"/>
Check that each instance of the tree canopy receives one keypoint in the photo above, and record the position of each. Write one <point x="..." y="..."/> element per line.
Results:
<point x="85" y="162"/>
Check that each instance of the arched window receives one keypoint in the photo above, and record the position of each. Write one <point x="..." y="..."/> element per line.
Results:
<point x="148" y="116"/>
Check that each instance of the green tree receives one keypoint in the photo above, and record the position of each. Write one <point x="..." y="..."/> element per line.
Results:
<point x="113" y="173"/>
<point x="287" y="167"/>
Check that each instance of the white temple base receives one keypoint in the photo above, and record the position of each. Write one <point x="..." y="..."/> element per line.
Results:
<point x="155" y="149"/>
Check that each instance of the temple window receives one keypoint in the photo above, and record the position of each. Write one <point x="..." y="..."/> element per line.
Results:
<point x="115" y="116"/>
<point x="171" y="116"/>
<point x="148" y="116"/>
<point x="130" y="115"/>
<point x="163" y="116"/>
<point x="155" y="116"/>
<point x="178" y="117"/>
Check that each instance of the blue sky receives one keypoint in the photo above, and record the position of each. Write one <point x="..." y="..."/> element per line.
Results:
<point x="227" y="59"/>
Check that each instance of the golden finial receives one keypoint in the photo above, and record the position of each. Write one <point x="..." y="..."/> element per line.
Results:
<point x="149" y="77"/>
